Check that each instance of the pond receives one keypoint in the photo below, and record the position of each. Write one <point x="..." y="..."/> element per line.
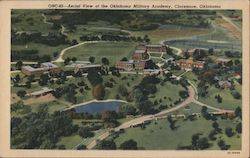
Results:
<point x="94" y="107"/>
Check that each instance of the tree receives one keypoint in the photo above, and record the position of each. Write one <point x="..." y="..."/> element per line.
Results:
<point x="55" y="54"/>
<point x="146" y="107"/>
<point x="28" y="84"/>
<point x="195" y="139"/>
<point x="210" y="51"/>
<point x="127" y="109"/>
<point x="203" y="143"/>
<point x="229" y="132"/>
<point x="106" y="145"/>
<point x="123" y="90"/>
<point x="19" y="65"/>
<point x="222" y="145"/>
<point x="94" y="77"/>
<point x="85" y="132"/>
<point x="91" y="59"/>
<point x="17" y="79"/>
<point x="21" y="93"/>
<point x="66" y="61"/>
<point x="81" y="147"/>
<point x="239" y="127"/>
<point x="105" y="61"/>
<point x="61" y="147"/>
<point x="124" y="59"/>
<point x="98" y="91"/>
<point x="238" y="112"/>
<point x="129" y="145"/>
<point x="108" y="116"/>
<point x="44" y="78"/>
<point x="183" y="94"/>
<point x="74" y="59"/>
<point x="215" y="125"/>
<point x="212" y="134"/>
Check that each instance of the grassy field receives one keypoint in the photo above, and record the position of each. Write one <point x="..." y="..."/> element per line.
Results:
<point x="70" y="141"/>
<point x="52" y="106"/>
<point x="159" y="136"/>
<point x="228" y="102"/>
<point x="189" y="109"/>
<point x="130" y="81"/>
<point x="170" y="32"/>
<point x="169" y="91"/>
<point x="191" y="77"/>
<point x="93" y="30"/>
<point x="114" y="51"/>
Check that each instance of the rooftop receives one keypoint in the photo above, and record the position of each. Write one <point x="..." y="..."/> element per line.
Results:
<point x="140" y="51"/>
<point x="154" y="45"/>
<point x="29" y="68"/>
<point x="223" y="59"/>
<point x="49" y="65"/>
<point x="88" y="65"/>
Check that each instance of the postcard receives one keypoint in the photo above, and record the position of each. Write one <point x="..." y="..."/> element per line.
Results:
<point x="124" y="79"/>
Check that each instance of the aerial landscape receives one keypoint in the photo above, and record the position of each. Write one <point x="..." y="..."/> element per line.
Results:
<point x="126" y="79"/>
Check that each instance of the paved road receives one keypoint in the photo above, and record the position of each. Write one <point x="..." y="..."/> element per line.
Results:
<point x="60" y="57"/>
<point x="45" y="20"/>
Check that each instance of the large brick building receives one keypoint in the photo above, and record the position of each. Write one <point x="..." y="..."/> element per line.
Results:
<point x="83" y="68"/>
<point x="189" y="64"/>
<point x="140" y="54"/>
<point x="45" y="68"/>
<point x="130" y="65"/>
<point x="156" y="48"/>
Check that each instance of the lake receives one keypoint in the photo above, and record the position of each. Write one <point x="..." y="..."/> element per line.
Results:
<point x="95" y="107"/>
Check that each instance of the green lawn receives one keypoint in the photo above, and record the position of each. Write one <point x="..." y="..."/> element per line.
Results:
<point x="130" y="81"/>
<point x="189" y="109"/>
<point x="92" y="29"/>
<point x="70" y="141"/>
<point x="228" y="102"/>
<point x="169" y="91"/>
<point x="53" y="106"/>
<point x="114" y="51"/>
<point x="177" y="72"/>
<point x="191" y="77"/>
<point x="159" y="136"/>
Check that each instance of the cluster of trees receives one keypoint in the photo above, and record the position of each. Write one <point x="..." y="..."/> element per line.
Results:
<point x="68" y="90"/>
<point x="233" y="54"/>
<point x="51" y="39"/>
<point x="111" y="145"/>
<point x="29" y="54"/>
<point x="218" y="98"/>
<point x="40" y="130"/>
<point x="96" y="81"/>
<point x="172" y="123"/>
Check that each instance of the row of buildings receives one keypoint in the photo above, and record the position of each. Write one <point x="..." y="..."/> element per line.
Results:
<point x="48" y="67"/>
<point x="43" y="69"/>
<point x="140" y="55"/>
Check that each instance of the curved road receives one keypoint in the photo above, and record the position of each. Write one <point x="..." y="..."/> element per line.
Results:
<point x="60" y="57"/>
<point x="190" y="99"/>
